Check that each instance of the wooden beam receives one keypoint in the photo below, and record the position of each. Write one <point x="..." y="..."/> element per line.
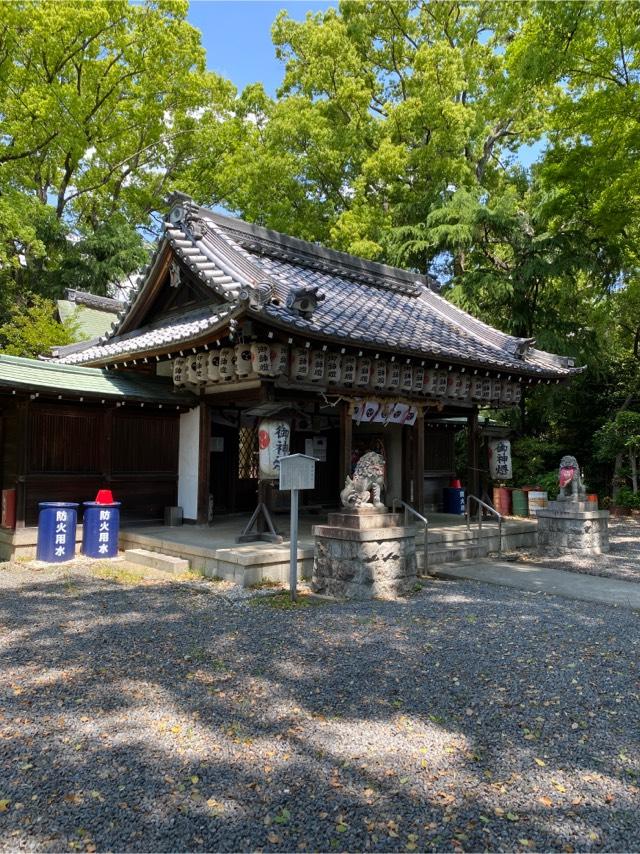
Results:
<point x="473" y="472"/>
<point x="203" y="464"/>
<point x="346" y="438"/>
<point x="24" y="413"/>
<point x="418" y="429"/>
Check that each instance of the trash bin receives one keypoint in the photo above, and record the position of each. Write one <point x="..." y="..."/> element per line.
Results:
<point x="100" y="529"/>
<point x="56" y="531"/>
<point x="453" y="500"/>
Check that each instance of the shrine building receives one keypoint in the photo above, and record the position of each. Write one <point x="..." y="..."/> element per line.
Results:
<point x="235" y="331"/>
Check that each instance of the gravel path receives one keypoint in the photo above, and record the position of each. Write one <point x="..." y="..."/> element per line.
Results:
<point x="622" y="562"/>
<point x="167" y="716"/>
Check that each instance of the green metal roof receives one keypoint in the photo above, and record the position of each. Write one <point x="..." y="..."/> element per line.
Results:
<point x="31" y="375"/>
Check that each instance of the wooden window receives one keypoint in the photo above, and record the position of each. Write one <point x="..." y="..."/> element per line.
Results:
<point x="248" y="453"/>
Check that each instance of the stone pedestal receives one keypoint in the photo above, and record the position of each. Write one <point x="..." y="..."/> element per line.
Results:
<point x="366" y="553"/>
<point x="572" y="526"/>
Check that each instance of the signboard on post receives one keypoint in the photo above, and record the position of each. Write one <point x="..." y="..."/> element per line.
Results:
<point x="297" y="471"/>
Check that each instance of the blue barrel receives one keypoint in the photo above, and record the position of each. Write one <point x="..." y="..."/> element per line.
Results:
<point x="453" y="500"/>
<point x="100" y="528"/>
<point x="56" y="531"/>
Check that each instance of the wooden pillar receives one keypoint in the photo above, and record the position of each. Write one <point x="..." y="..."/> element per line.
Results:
<point x="418" y="429"/>
<point x="473" y="473"/>
<point x="203" y="463"/>
<point x="346" y="436"/>
<point x="22" y="441"/>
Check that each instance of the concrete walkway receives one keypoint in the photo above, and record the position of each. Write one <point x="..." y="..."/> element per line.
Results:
<point x="542" y="579"/>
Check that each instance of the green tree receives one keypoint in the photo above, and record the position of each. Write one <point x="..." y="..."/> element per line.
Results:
<point x="33" y="329"/>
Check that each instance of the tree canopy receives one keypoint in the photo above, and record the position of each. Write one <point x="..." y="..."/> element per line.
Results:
<point x="398" y="134"/>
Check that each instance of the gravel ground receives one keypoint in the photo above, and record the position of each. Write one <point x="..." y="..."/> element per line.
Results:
<point x="622" y="562"/>
<point x="167" y="716"/>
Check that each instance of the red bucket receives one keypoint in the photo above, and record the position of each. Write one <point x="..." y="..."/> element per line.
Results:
<point x="104" y="496"/>
<point x="454" y="483"/>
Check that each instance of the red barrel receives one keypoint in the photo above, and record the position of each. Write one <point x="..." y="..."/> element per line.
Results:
<point x="502" y="500"/>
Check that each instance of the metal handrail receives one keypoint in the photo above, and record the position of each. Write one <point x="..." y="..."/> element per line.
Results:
<point x="409" y="509"/>
<point x="488" y="507"/>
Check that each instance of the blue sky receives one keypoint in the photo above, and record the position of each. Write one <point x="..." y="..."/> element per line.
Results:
<point x="237" y="37"/>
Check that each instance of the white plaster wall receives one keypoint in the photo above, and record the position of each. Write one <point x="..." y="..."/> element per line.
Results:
<point x="188" y="463"/>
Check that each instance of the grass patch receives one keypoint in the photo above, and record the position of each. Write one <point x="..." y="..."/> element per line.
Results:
<point x="265" y="584"/>
<point x="282" y="602"/>
<point x="120" y="574"/>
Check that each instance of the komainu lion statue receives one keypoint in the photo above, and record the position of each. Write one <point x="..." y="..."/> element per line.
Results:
<point x="570" y="480"/>
<point x="364" y="488"/>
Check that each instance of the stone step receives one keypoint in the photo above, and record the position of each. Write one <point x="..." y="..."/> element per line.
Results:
<point x="156" y="560"/>
<point x="451" y="554"/>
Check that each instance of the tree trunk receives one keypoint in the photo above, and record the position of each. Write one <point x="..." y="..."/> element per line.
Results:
<point x="634" y="472"/>
<point x="615" y="485"/>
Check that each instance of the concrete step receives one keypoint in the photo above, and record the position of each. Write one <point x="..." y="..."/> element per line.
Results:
<point x="451" y="554"/>
<point x="156" y="560"/>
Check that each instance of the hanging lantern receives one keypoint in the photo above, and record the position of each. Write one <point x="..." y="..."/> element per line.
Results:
<point x="260" y="359"/>
<point x="430" y="382"/>
<point x="179" y="374"/>
<point x="451" y="384"/>
<point x="279" y="360"/>
<point x="226" y="367"/>
<point x="517" y="393"/>
<point x="192" y="373"/>
<point x="417" y="384"/>
<point x="334" y="368"/>
<point x="379" y="378"/>
<point x="316" y="368"/>
<point x="273" y="444"/>
<point x="299" y="363"/>
<point x="243" y="360"/>
<point x="406" y="378"/>
<point x="393" y="375"/>
<point x="349" y="367"/>
<point x="476" y="388"/>
<point x="213" y="366"/>
<point x="201" y="367"/>
<point x="496" y="391"/>
<point x="363" y="375"/>
<point x="442" y="383"/>
<point x="507" y="393"/>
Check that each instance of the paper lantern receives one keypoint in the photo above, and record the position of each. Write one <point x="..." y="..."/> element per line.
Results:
<point x="379" y="374"/>
<point x="441" y="383"/>
<point x="273" y="444"/>
<point x="496" y="391"/>
<point x="279" y="360"/>
<point x="201" y="367"/>
<point x="299" y="363"/>
<point x="406" y="378"/>
<point x="430" y="382"/>
<point x="393" y="375"/>
<point x="260" y="359"/>
<point x="316" y="368"/>
<point x="226" y="367"/>
<point x="192" y="373"/>
<point x="349" y="367"/>
<point x="486" y="389"/>
<point x="243" y="360"/>
<point x="517" y="392"/>
<point x="179" y="373"/>
<point x="213" y="366"/>
<point x="418" y="380"/>
<point x="334" y="368"/>
<point x="476" y="388"/>
<point x="363" y="374"/>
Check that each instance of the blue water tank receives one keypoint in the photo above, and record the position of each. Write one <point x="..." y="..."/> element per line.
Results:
<point x="56" y="531"/>
<point x="100" y="529"/>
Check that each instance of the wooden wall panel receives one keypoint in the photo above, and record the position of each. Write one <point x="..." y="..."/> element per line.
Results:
<point x="65" y="440"/>
<point x="144" y="443"/>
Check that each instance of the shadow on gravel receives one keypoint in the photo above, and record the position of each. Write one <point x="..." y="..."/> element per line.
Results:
<point x="158" y="718"/>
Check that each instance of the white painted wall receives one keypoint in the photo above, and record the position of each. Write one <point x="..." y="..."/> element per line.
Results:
<point x="188" y="463"/>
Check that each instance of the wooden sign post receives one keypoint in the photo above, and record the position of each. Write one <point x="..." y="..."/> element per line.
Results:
<point x="297" y="471"/>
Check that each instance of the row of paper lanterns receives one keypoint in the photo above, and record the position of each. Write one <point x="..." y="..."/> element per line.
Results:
<point x="319" y="367"/>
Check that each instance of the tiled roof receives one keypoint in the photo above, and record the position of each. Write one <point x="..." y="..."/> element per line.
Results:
<point x="366" y="304"/>
<point x="19" y="374"/>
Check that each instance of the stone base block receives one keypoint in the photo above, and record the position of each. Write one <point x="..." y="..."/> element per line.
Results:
<point x="562" y="527"/>
<point x="365" y="562"/>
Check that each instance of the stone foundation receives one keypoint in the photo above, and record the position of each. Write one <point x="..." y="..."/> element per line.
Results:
<point x="364" y="554"/>
<point x="572" y="526"/>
